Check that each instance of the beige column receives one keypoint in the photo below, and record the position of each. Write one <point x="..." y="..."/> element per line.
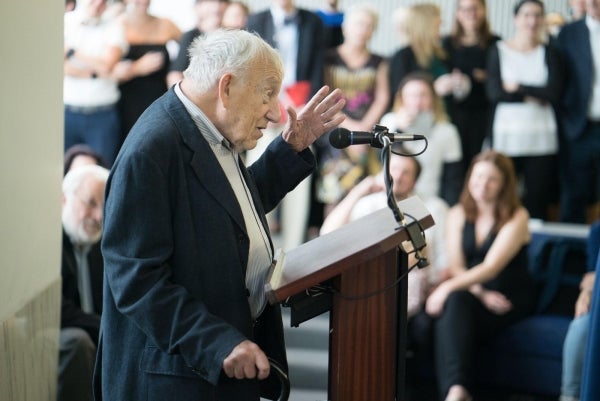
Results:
<point x="31" y="142"/>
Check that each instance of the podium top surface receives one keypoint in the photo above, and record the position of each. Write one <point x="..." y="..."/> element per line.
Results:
<point x="331" y="254"/>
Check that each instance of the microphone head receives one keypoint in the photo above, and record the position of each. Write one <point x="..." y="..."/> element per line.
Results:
<point x="339" y="138"/>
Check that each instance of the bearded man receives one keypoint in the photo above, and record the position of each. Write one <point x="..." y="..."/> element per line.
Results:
<point x="82" y="270"/>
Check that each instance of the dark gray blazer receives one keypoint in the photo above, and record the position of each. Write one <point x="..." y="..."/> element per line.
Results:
<point x="574" y="43"/>
<point x="175" y="249"/>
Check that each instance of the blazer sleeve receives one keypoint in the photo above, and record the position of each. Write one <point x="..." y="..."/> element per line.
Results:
<point x="72" y="316"/>
<point x="279" y="170"/>
<point x="553" y="88"/>
<point x="401" y="63"/>
<point x="493" y="85"/>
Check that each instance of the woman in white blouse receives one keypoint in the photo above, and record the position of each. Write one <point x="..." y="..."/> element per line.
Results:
<point x="524" y="82"/>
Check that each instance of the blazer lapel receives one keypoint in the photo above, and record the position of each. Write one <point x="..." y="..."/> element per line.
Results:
<point x="205" y="165"/>
<point x="584" y="48"/>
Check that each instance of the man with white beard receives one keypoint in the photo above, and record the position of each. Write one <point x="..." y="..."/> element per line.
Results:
<point x="82" y="270"/>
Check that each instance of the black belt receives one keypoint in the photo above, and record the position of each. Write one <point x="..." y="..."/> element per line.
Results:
<point x="89" y="109"/>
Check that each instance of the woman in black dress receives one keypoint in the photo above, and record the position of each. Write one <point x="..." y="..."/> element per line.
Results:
<point x="143" y="70"/>
<point x="466" y="48"/>
<point x="489" y="286"/>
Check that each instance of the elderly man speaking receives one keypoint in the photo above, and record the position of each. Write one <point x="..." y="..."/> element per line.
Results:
<point x="186" y="245"/>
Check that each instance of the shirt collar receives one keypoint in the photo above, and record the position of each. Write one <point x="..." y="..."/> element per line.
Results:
<point x="204" y="125"/>
<point x="592" y="24"/>
<point x="279" y="15"/>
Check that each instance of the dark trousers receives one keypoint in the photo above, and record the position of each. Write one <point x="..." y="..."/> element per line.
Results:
<point x="579" y="174"/>
<point x="99" y="129"/>
<point x="473" y="126"/>
<point x="458" y="333"/>
<point x="539" y="175"/>
<point x="76" y="365"/>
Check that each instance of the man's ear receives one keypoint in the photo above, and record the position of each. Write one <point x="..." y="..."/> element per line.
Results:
<point x="225" y="83"/>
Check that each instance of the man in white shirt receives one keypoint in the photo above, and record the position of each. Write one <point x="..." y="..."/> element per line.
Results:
<point x="93" y="44"/>
<point x="369" y="196"/>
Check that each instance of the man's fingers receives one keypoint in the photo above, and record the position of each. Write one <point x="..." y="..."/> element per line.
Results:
<point x="317" y="98"/>
<point x="293" y="117"/>
<point x="263" y="366"/>
<point x="246" y="361"/>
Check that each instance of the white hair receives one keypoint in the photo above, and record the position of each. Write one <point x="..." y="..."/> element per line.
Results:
<point x="358" y="9"/>
<point x="73" y="179"/>
<point x="226" y="51"/>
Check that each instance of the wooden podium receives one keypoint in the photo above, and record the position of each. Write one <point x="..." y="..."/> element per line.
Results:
<point x="361" y="264"/>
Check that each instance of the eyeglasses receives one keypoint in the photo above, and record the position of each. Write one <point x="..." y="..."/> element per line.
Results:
<point x="468" y="9"/>
<point x="89" y="204"/>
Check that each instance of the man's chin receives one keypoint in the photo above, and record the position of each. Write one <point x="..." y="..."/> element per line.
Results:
<point x="90" y="238"/>
<point x="247" y="145"/>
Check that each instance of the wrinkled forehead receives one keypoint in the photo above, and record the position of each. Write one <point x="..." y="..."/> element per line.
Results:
<point x="267" y="69"/>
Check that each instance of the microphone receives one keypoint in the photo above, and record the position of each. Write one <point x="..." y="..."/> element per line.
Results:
<point x="341" y="138"/>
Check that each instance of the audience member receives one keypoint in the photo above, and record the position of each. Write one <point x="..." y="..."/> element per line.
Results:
<point x="332" y="19"/>
<point x="399" y="18"/>
<point x="235" y="15"/>
<point x="186" y="245"/>
<point x="142" y="73"/>
<point x="577" y="9"/>
<point x="362" y="77"/>
<point x="79" y="155"/>
<point x="209" y="14"/>
<point x="370" y="195"/>
<point x="580" y="115"/>
<point x="92" y="46"/>
<point x="69" y="5"/>
<point x="576" y="338"/>
<point x="82" y="269"/>
<point x="417" y="109"/>
<point x="489" y="287"/>
<point x="467" y="47"/>
<point x="424" y="52"/>
<point x="554" y="22"/>
<point x="524" y="83"/>
<point x="297" y="34"/>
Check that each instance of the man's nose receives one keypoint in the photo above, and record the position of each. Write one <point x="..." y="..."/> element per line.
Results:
<point x="97" y="214"/>
<point x="275" y="110"/>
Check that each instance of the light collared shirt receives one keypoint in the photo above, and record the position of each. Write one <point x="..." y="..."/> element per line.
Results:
<point x="260" y="254"/>
<point x="286" y="42"/>
<point x="594" y="105"/>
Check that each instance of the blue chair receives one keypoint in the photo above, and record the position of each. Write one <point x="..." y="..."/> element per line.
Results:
<point x="527" y="356"/>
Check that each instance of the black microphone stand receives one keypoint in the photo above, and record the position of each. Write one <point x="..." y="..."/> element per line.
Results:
<point x="414" y="230"/>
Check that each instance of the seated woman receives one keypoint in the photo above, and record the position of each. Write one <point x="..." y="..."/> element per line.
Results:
<point x="418" y="110"/>
<point x="489" y="287"/>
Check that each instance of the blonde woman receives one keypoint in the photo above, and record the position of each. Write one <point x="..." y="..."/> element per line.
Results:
<point x="424" y="52"/>
<point x="362" y="76"/>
